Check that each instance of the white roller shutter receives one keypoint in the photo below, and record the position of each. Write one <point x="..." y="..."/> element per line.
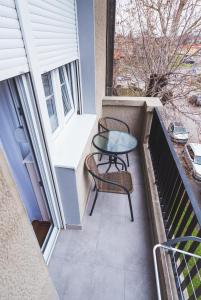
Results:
<point x="54" y="30"/>
<point x="13" y="59"/>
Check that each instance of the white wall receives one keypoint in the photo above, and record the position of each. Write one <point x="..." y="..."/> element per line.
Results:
<point x="24" y="274"/>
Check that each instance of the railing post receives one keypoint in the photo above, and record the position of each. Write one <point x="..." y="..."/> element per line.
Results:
<point x="150" y="104"/>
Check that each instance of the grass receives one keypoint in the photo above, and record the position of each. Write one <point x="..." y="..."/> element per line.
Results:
<point x="185" y="66"/>
<point x="191" y="263"/>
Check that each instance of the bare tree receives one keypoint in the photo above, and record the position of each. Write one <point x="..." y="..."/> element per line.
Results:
<point x="156" y="39"/>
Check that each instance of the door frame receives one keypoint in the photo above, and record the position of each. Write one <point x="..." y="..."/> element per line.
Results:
<point x="35" y="131"/>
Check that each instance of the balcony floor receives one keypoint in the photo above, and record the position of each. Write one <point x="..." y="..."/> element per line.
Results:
<point x="111" y="258"/>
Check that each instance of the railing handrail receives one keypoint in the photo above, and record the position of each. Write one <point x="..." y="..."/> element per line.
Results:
<point x="182" y="239"/>
<point x="181" y="171"/>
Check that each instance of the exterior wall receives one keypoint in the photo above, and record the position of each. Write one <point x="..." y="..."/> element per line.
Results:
<point x="24" y="274"/>
<point x="83" y="177"/>
<point x="100" y="51"/>
<point x="132" y="110"/>
<point x="133" y="116"/>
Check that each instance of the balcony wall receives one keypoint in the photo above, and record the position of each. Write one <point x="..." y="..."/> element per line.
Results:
<point x="23" y="270"/>
<point x="135" y="111"/>
<point x="138" y="113"/>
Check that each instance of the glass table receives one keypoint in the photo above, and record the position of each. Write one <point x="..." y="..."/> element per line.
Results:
<point x="114" y="142"/>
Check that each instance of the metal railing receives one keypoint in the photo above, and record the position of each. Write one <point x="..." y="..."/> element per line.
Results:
<point x="188" y="258"/>
<point x="180" y="210"/>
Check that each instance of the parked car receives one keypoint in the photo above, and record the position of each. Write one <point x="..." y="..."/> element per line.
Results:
<point x="188" y="60"/>
<point x="195" y="100"/>
<point x="178" y="133"/>
<point x="192" y="152"/>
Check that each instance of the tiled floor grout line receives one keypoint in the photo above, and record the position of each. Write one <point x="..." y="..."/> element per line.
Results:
<point x="99" y="259"/>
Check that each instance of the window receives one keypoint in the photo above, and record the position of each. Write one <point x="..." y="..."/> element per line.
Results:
<point x="65" y="92"/>
<point x="62" y="93"/>
<point x="50" y="100"/>
<point x="190" y="151"/>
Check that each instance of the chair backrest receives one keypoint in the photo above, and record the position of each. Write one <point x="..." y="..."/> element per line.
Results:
<point x="108" y="123"/>
<point x="91" y="166"/>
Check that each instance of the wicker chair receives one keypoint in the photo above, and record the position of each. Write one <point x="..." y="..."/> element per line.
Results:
<point x="108" y="123"/>
<point x="113" y="182"/>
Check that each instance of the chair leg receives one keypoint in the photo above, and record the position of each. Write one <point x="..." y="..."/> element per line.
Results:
<point x="100" y="157"/>
<point x="127" y="159"/>
<point x="95" y="198"/>
<point x="130" y="205"/>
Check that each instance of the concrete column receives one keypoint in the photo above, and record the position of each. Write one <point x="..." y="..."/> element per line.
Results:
<point x="150" y="105"/>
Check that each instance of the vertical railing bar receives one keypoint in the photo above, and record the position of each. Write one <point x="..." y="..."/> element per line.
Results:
<point x="197" y="269"/>
<point x="179" y="206"/>
<point x="181" y="292"/>
<point x="190" y="277"/>
<point x="175" y="200"/>
<point x="192" y="249"/>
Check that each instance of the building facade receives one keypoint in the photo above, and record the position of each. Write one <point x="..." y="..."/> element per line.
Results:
<point x="52" y="78"/>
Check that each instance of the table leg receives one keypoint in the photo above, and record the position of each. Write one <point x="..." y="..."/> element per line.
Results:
<point x="111" y="160"/>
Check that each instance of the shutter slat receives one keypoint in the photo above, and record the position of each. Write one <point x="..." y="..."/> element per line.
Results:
<point x="13" y="71"/>
<point x="8" y="3"/>
<point x="8" y="12"/>
<point x="9" y="23"/>
<point x="12" y="53"/>
<point x="56" y="62"/>
<point x="53" y="48"/>
<point x="41" y="5"/>
<point x="54" y="30"/>
<point x="46" y="13"/>
<point x="13" y="60"/>
<point x="53" y="35"/>
<point x="11" y="44"/>
<point x="49" y="42"/>
<point x="46" y="20"/>
<point x="10" y="33"/>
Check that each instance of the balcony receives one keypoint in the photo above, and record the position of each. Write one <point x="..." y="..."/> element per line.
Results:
<point x="111" y="258"/>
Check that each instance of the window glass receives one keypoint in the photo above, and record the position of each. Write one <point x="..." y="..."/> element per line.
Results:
<point x="73" y="78"/>
<point x="67" y="106"/>
<point x="190" y="152"/>
<point x="70" y="77"/>
<point x="50" y="100"/>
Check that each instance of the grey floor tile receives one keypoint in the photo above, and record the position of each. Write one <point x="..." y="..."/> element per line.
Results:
<point x="111" y="257"/>
<point x="56" y="269"/>
<point x="139" y="287"/>
<point x="110" y="250"/>
<point x="78" y="283"/>
<point x="112" y="204"/>
<point x="108" y="284"/>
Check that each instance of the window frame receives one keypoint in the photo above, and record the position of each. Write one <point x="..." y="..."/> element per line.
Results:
<point x="54" y="94"/>
<point x="72" y="110"/>
<point x="73" y="89"/>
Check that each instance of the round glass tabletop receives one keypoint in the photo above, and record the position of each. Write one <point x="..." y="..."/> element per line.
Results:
<point x="114" y="142"/>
